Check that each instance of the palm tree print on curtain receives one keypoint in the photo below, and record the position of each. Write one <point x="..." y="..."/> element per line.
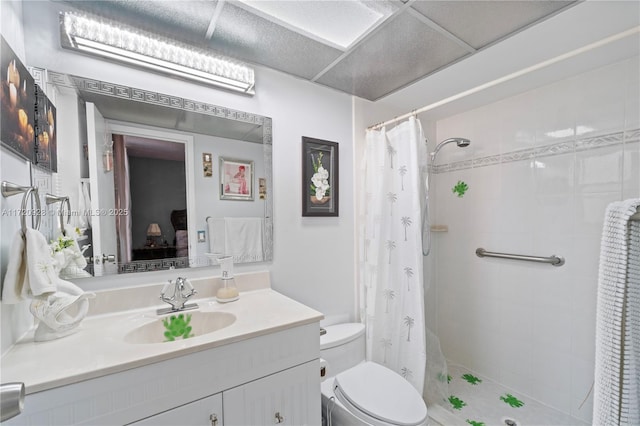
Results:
<point x="391" y="210"/>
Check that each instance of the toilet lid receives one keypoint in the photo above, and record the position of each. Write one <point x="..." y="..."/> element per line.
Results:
<point x="383" y="394"/>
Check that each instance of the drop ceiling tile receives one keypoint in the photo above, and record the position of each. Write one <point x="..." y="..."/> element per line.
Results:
<point x="480" y="23"/>
<point x="182" y="20"/>
<point x="248" y="37"/>
<point x="404" y="50"/>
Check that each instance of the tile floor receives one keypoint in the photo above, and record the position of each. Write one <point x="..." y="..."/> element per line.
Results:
<point x="478" y="401"/>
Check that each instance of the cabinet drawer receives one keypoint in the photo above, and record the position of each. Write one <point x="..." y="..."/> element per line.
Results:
<point x="290" y="397"/>
<point x="204" y="412"/>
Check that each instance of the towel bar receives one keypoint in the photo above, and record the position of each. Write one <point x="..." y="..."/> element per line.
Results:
<point x="553" y="259"/>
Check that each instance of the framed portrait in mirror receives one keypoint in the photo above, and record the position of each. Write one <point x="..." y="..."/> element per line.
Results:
<point x="236" y="179"/>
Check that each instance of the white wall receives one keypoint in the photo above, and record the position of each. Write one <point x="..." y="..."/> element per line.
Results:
<point x="531" y="326"/>
<point x="15" y="319"/>
<point x="313" y="257"/>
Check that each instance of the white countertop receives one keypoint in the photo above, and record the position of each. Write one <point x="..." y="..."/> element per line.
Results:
<point x="99" y="348"/>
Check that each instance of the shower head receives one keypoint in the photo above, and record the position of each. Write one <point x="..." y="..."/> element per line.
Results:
<point x="461" y="142"/>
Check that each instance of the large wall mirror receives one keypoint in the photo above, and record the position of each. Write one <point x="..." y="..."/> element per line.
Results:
<point x="157" y="181"/>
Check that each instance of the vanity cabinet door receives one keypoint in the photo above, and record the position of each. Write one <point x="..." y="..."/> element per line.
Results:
<point x="290" y="397"/>
<point x="203" y="412"/>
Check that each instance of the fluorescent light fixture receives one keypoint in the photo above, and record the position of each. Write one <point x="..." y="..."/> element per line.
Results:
<point x="117" y="42"/>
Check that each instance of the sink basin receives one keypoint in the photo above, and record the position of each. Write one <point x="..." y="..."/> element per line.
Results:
<point x="179" y="326"/>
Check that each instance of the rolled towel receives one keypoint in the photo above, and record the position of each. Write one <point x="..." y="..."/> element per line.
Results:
<point x="60" y="313"/>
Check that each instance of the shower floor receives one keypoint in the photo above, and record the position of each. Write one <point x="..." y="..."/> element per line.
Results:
<point x="480" y="402"/>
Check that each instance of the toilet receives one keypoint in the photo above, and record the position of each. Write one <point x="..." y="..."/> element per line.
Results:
<point x="359" y="392"/>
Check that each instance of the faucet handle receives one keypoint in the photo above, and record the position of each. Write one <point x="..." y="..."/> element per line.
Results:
<point x="188" y="286"/>
<point x="166" y="287"/>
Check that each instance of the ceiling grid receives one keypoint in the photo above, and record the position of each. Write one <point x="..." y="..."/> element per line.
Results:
<point x="397" y="42"/>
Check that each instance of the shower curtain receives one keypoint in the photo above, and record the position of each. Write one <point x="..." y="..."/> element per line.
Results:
<point x="391" y="261"/>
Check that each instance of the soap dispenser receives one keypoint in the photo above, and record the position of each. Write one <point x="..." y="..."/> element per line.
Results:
<point x="228" y="292"/>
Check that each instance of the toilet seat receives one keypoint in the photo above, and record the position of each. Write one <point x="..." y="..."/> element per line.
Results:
<point x="380" y="396"/>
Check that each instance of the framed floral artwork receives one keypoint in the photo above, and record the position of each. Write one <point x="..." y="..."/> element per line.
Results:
<point x="236" y="179"/>
<point x="319" y="177"/>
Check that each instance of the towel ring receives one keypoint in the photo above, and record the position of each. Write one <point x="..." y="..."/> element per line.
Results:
<point x="10" y="189"/>
<point x="38" y="211"/>
<point x="50" y="199"/>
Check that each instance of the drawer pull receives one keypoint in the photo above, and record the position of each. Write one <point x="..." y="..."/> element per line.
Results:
<point x="279" y="418"/>
<point x="214" y="419"/>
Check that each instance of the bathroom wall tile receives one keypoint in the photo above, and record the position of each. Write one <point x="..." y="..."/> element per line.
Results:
<point x="631" y="170"/>
<point x="583" y="330"/>
<point x="518" y="122"/>
<point x="554" y="215"/>
<point x="600" y="99"/>
<point x="590" y="210"/>
<point x="486" y="182"/>
<point x="555" y="174"/>
<point x="555" y="110"/>
<point x="587" y="255"/>
<point x="632" y="107"/>
<point x="552" y="378"/>
<point x="599" y="170"/>
<point x="582" y="409"/>
<point x="487" y="135"/>
<point x="518" y="179"/>
<point x="581" y="377"/>
<point x="551" y="326"/>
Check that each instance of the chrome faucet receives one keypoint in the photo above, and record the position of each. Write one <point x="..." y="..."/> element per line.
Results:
<point x="182" y="291"/>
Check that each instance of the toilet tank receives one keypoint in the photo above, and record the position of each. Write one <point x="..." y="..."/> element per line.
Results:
<point x="342" y="347"/>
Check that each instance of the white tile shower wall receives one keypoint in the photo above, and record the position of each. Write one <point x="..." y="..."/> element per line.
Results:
<point x="541" y="169"/>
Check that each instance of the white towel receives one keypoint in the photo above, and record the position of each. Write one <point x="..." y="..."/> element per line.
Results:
<point x="30" y="271"/>
<point x="216" y="229"/>
<point x="61" y="312"/>
<point x="243" y="238"/>
<point x="617" y="363"/>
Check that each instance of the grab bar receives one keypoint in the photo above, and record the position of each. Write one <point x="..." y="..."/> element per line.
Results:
<point x="553" y="259"/>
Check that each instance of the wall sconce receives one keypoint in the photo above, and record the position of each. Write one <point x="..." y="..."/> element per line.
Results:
<point x="153" y="231"/>
<point x="107" y="156"/>
<point x="118" y="42"/>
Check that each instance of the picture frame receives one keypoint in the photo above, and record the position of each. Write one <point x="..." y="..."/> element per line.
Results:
<point x="236" y="179"/>
<point x="320" y="177"/>
<point x="18" y="98"/>
<point x="46" y="145"/>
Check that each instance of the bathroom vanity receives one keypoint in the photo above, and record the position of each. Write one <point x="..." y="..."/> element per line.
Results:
<point x="260" y="368"/>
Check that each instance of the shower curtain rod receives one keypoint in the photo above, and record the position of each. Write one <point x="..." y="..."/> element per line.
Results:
<point x="508" y="77"/>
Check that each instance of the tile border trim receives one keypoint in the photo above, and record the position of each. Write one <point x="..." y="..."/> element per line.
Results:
<point x="564" y="147"/>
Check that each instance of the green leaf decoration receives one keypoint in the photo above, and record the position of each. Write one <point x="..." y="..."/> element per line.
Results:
<point x="449" y="378"/>
<point x="456" y="402"/>
<point x="471" y="379"/>
<point x="511" y="400"/>
<point x="177" y="326"/>
<point x="475" y="423"/>
<point x="460" y="188"/>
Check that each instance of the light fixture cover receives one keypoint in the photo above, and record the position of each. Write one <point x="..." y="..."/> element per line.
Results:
<point x="114" y="41"/>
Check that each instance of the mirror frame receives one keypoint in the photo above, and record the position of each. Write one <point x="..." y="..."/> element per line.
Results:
<point x="44" y="77"/>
